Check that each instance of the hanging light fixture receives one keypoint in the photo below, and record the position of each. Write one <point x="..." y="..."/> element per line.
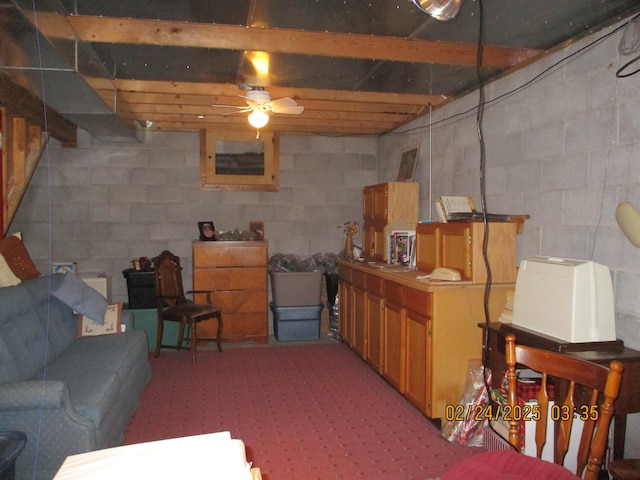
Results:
<point x="443" y="10"/>
<point x="258" y="118"/>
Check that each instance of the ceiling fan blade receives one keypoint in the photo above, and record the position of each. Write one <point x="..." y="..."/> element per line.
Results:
<point x="297" y="110"/>
<point x="228" y="106"/>
<point x="286" y="106"/>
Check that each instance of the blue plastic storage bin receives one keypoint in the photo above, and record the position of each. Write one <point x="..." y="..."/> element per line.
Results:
<point x="292" y="324"/>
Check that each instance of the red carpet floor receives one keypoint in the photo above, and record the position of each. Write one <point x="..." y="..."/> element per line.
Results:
<point x="311" y="411"/>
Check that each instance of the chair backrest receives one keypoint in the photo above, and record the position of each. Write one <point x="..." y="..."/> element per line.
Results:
<point x="582" y="379"/>
<point x="168" y="276"/>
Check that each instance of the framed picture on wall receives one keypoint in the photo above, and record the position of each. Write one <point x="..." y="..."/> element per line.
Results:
<point x="408" y="163"/>
<point x="207" y="231"/>
<point x="257" y="229"/>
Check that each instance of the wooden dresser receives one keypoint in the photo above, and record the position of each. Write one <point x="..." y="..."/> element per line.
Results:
<point x="236" y="274"/>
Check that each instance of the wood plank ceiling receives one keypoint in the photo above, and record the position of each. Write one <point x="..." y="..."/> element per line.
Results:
<point x="357" y="67"/>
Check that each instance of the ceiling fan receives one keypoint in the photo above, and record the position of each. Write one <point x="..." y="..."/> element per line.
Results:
<point x="259" y="103"/>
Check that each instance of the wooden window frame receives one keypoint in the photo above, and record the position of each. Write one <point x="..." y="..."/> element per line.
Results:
<point x="209" y="180"/>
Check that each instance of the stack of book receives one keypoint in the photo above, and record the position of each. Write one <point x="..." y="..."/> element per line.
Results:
<point x="507" y="314"/>
<point x="448" y="205"/>
<point x="450" y="209"/>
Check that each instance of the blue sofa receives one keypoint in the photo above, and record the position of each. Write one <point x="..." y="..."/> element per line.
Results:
<point x="69" y="394"/>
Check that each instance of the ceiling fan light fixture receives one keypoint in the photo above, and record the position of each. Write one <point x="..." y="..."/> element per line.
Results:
<point x="258" y="118"/>
<point x="443" y="10"/>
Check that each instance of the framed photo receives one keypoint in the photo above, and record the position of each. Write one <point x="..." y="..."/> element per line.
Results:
<point x="207" y="231"/>
<point x="64" y="267"/>
<point x="257" y="229"/>
<point x="408" y="163"/>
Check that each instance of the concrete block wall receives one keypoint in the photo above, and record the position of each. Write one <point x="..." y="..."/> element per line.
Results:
<point x="564" y="149"/>
<point x="102" y="205"/>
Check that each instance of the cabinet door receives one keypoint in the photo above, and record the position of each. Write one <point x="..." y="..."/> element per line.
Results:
<point x="417" y="360"/>
<point x="374" y="319"/>
<point x="368" y="204"/>
<point x="418" y="345"/>
<point x="345" y="322"/>
<point x="380" y="196"/>
<point x="393" y="357"/>
<point x="427" y="247"/>
<point x="368" y="241"/>
<point x="456" y="248"/>
<point x="380" y="244"/>
<point x="359" y="322"/>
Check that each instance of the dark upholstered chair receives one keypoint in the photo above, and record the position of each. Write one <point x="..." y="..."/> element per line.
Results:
<point x="173" y="306"/>
<point x="587" y="384"/>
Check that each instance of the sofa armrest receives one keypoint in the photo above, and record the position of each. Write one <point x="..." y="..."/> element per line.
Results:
<point x="36" y="395"/>
<point x="54" y="429"/>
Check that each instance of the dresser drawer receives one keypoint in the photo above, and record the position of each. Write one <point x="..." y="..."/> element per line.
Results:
<point x="247" y="278"/>
<point x="219" y="254"/>
<point x="239" y="301"/>
<point x="418" y="301"/>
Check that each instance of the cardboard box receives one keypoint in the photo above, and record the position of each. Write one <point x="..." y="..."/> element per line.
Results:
<point x="292" y="324"/>
<point x="296" y="289"/>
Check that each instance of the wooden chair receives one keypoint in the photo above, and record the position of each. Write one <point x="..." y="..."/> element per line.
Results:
<point x="173" y="306"/>
<point x="625" y="469"/>
<point x="581" y="376"/>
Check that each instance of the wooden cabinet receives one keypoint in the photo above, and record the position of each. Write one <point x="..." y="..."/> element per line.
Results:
<point x="386" y="204"/>
<point x="459" y="245"/>
<point x="419" y="335"/>
<point x="236" y="273"/>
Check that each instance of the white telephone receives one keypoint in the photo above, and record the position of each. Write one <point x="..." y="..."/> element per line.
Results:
<point x="447" y="274"/>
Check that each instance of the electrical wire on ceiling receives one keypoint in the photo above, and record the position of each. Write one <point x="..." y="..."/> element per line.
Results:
<point x="544" y="73"/>
<point x="630" y="44"/>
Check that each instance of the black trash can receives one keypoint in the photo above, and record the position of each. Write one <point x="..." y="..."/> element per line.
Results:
<point x="11" y="445"/>
<point x="141" y="288"/>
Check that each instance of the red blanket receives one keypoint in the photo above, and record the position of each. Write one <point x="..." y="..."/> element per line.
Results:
<point x="507" y="465"/>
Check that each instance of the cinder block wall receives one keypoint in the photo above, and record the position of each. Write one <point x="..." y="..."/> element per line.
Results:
<point x="103" y="205"/>
<point x="564" y="148"/>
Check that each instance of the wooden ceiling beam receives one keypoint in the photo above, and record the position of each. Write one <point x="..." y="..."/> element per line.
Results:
<point x="23" y="103"/>
<point x="213" y="90"/>
<point x="277" y="40"/>
<point x="139" y="98"/>
<point x="277" y="120"/>
<point x="335" y="130"/>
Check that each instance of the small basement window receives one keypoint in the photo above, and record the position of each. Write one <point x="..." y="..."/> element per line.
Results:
<point x="239" y="161"/>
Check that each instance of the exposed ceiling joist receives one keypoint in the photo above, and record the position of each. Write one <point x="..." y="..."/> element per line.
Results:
<point x="355" y="67"/>
<point x="326" y="44"/>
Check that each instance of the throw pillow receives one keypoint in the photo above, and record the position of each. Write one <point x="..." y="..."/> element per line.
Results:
<point x="81" y="297"/>
<point x="16" y="265"/>
<point x="111" y="323"/>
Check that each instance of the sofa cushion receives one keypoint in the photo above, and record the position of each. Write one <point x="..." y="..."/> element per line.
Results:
<point x="33" y="327"/>
<point x="110" y="324"/>
<point x="15" y="263"/>
<point x="81" y="297"/>
<point x="95" y="369"/>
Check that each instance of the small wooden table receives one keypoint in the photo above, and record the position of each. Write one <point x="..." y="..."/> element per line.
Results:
<point x="599" y="352"/>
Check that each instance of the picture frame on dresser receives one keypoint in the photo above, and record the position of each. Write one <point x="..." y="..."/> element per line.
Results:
<point x="207" y="231"/>
<point x="408" y="164"/>
<point x="257" y="230"/>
